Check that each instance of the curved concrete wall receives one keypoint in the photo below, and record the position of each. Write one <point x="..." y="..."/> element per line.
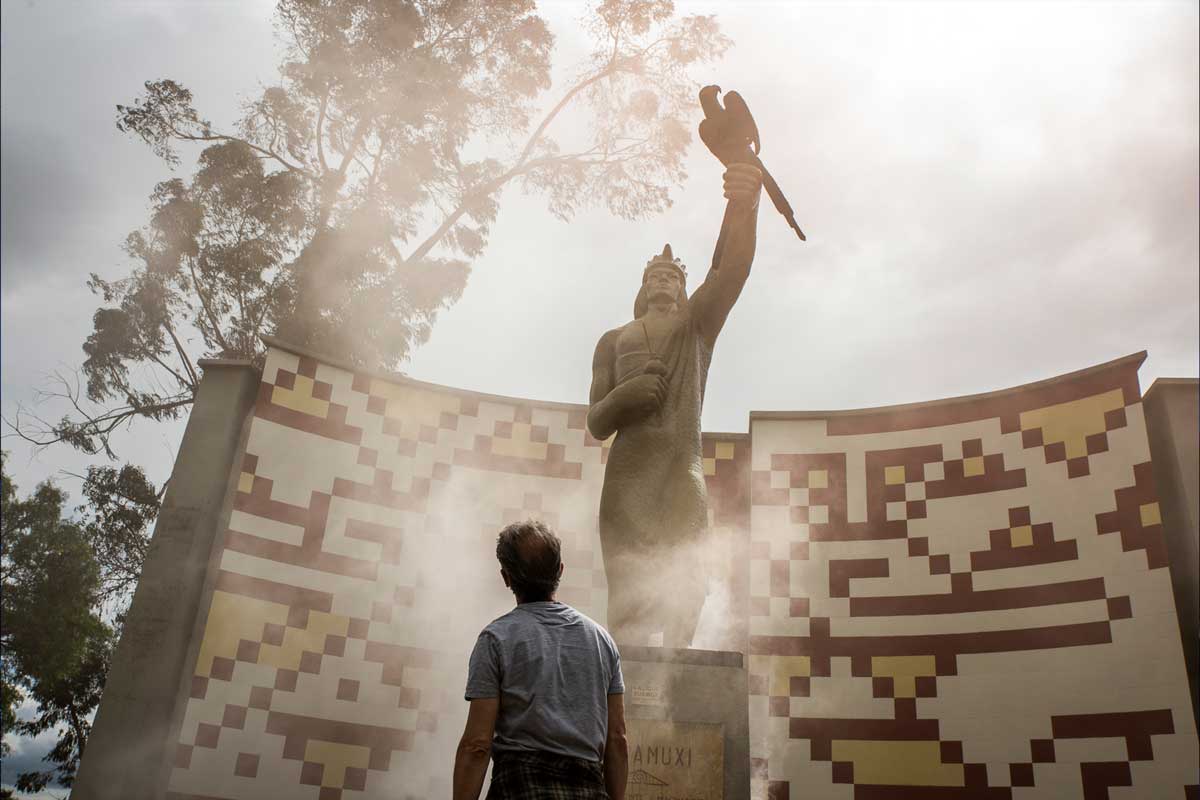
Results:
<point x="358" y="566"/>
<point x="960" y="598"/>
<point x="942" y="600"/>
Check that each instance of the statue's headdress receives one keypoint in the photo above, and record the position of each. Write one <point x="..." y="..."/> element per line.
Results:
<point x="664" y="259"/>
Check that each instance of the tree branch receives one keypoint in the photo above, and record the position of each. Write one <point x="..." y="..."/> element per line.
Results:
<point x="224" y="137"/>
<point x="321" y="128"/>
<point x="521" y="165"/>
<point x="100" y="426"/>
<point x="212" y="320"/>
<point x="183" y="356"/>
<point x="182" y="381"/>
<point x="562" y="103"/>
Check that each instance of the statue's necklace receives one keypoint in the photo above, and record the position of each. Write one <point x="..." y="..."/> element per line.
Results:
<point x="646" y="334"/>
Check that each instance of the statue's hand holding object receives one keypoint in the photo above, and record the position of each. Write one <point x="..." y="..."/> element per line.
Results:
<point x="644" y="393"/>
<point x="654" y="366"/>
<point x="743" y="183"/>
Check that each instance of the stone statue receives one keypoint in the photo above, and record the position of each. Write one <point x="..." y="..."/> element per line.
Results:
<point x="648" y="381"/>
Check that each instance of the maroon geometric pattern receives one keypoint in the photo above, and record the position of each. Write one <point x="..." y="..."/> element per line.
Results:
<point x="936" y="609"/>
<point x="935" y="601"/>
<point x="329" y="667"/>
<point x="333" y="658"/>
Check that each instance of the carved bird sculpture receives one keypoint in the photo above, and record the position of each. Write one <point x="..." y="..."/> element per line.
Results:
<point x="732" y="135"/>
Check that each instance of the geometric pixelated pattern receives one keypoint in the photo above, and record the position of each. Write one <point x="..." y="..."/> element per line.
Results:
<point x="965" y="599"/>
<point x="959" y="599"/>
<point x="326" y="668"/>
<point x="726" y="462"/>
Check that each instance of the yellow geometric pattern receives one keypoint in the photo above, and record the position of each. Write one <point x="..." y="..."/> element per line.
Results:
<point x="897" y="763"/>
<point x="1072" y="422"/>
<point x="300" y="398"/>
<point x="1021" y="536"/>
<point x="781" y="670"/>
<point x="904" y="671"/>
<point x="335" y="758"/>
<point x="724" y="452"/>
<point x="520" y="444"/>
<point x="296" y="641"/>
<point x="232" y="618"/>
<point x="414" y="407"/>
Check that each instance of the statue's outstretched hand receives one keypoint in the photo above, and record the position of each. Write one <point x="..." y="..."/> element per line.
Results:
<point x="743" y="183"/>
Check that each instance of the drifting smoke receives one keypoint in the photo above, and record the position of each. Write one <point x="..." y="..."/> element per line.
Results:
<point x="675" y="567"/>
<point x="458" y="590"/>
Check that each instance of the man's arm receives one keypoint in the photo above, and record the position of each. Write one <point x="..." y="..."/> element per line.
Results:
<point x="610" y="404"/>
<point x="713" y="300"/>
<point x="616" y="749"/>
<point x="475" y="748"/>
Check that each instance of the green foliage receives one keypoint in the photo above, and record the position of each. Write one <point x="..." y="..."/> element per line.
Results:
<point x="55" y="646"/>
<point x="166" y="108"/>
<point x="121" y="507"/>
<point x="10" y="695"/>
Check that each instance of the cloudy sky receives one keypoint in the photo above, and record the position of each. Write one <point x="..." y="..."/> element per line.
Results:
<point x="993" y="193"/>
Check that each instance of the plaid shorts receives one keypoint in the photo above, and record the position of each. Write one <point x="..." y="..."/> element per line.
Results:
<point x="545" y="776"/>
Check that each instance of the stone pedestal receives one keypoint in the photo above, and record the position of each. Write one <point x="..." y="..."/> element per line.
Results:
<point x="689" y="732"/>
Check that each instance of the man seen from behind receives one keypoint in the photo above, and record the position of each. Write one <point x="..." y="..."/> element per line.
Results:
<point x="545" y="688"/>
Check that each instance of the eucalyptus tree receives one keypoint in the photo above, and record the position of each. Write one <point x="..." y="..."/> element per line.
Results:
<point x="342" y="212"/>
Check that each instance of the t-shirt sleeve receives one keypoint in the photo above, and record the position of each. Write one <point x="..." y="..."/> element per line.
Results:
<point x="617" y="684"/>
<point x="483" y="670"/>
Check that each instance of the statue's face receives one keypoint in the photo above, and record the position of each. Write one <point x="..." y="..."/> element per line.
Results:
<point x="663" y="285"/>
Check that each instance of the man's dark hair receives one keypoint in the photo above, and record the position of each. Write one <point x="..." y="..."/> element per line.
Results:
<point x="531" y="554"/>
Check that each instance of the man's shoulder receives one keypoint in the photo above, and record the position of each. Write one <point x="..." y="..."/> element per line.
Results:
<point x="599" y="629"/>
<point x="504" y="625"/>
<point x="501" y="623"/>
<point x="520" y="617"/>
<point x="572" y="611"/>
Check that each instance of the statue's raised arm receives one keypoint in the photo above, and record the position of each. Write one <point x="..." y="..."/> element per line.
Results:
<point x="712" y="301"/>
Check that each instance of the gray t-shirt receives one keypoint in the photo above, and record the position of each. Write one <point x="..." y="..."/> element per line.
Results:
<point x="553" y="669"/>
